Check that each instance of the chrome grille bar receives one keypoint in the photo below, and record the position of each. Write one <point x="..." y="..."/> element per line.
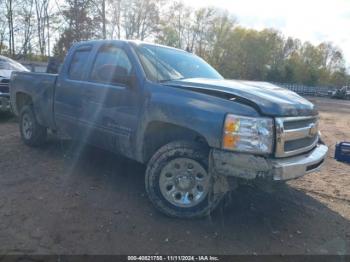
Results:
<point x="283" y="134"/>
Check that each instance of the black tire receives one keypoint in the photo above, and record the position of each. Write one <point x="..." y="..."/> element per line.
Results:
<point x="35" y="134"/>
<point x="179" y="150"/>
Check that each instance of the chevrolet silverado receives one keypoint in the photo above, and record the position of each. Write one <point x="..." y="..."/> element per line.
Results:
<point x="169" y="109"/>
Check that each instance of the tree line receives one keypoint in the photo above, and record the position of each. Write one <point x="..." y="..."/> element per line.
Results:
<point x="38" y="29"/>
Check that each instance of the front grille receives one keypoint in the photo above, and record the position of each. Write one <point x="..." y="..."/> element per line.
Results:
<point x="298" y="123"/>
<point x="295" y="135"/>
<point x="298" y="143"/>
<point x="4" y="86"/>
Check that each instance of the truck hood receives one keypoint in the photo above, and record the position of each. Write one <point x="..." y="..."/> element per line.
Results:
<point x="267" y="98"/>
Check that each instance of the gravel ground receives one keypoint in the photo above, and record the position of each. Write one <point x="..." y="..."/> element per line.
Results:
<point x="55" y="201"/>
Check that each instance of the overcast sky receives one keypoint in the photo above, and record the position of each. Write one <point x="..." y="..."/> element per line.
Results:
<point x="309" y="20"/>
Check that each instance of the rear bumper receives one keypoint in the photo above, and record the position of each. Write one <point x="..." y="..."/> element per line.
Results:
<point x="278" y="169"/>
<point x="5" y="102"/>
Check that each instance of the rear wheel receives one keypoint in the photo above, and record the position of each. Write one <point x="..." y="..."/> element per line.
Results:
<point x="32" y="133"/>
<point x="178" y="182"/>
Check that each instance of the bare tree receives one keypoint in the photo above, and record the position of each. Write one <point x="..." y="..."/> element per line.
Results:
<point x="79" y="24"/>
<point x="115" y="13"/>
<point x="140" y="18"/>
<point x="177" y="21"/>
<point x="100" y="7"/>
<point x="25" y="15"/>
<point x="41" y="7"/>
<point x="332" y="57"/>
<point x="3" y="23"/>
<point x="203" y="20"/>
<point x="47" y="22"/>
<point x="10" y="23"/>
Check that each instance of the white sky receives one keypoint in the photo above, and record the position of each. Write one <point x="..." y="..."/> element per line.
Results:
<point x="309" y="20"/>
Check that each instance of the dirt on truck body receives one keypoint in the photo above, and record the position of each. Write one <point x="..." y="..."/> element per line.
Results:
<point x="63" y="199"/>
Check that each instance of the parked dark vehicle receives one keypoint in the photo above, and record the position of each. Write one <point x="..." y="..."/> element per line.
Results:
<point x="7" y="66"/>
<point x="198" y="133"/>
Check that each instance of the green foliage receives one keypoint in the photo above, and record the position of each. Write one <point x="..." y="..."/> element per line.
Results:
<point x="81" y="24"/>
<point x="168" y="36"/>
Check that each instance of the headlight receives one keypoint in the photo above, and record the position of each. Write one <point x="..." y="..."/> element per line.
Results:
<point x="248" y="134"/>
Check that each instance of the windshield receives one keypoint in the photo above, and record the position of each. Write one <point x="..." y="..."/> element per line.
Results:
<point x="9" y="64"/>
<point x="165" y="64"/>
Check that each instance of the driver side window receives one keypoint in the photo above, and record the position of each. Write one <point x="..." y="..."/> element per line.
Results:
<point x="110" y="65"/>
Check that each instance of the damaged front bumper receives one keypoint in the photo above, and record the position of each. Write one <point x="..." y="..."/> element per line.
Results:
<point x="248" y="166"/>
<point x="5" y="102"/>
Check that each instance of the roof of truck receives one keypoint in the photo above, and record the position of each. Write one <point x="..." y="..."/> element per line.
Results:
<point x="136" y="42"/>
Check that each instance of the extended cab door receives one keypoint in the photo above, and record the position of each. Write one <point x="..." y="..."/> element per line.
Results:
<point x="110" y="108"/>
<point x="68" y="105"/>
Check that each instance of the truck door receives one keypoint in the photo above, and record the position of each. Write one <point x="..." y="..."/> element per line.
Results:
<point x="68" y="103"/>
<point x="110" y="108"/>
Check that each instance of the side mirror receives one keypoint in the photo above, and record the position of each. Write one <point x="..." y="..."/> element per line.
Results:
<point x="129" y="81"/>
<point x="113" y="74"/>
<point x="132" y="81"/>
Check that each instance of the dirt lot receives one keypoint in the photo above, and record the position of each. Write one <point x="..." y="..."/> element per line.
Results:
<point x="53" y="201"/>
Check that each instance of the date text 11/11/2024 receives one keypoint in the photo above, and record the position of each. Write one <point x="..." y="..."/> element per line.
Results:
<point x="172" y="258"/>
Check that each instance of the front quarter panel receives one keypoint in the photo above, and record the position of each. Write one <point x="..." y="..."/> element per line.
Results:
<point x="199" y="112"/>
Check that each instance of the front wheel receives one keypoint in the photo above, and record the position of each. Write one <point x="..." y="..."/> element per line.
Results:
<point x="32" y="133"/>
<point x="178" y="182"/>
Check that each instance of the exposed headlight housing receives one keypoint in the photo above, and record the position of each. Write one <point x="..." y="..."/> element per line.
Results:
<point x="248" y="134"/>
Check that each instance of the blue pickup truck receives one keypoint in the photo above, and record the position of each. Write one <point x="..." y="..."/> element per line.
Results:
<point x="197" y="133"/>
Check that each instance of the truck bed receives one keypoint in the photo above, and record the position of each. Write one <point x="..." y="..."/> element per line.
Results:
<point x="40" y="88"/>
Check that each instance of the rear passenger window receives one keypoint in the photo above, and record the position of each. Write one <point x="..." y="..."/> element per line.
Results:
<point x="110" y="61"/>
<point x="78" y="64"/>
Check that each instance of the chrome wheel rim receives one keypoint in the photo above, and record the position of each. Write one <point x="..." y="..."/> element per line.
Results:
<point x="184" y="182"/>
<point x="27" y="126"/>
